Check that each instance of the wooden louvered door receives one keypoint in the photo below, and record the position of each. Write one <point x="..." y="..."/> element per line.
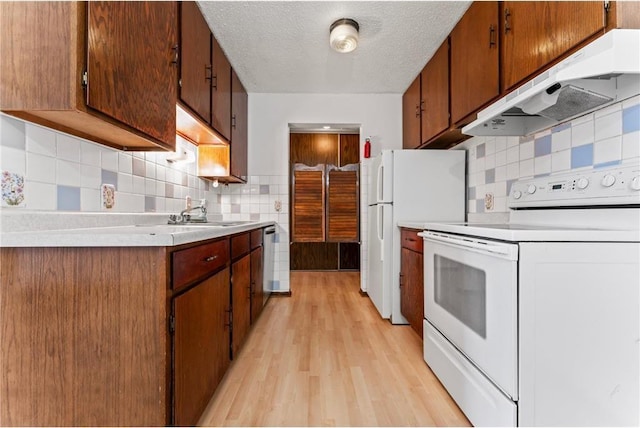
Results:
<point x="308" y="204"/>
<point x="342" y="203"/>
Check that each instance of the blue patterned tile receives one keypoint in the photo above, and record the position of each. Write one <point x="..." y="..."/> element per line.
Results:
<point x="472" y="193"/>
<point x="542" y="146"/>
<point x="631" y="119"/>
<point x="275" y="284"/>
<point x="582" y="156"/>
<point x="264" y="189"/>
<point x="68" y="198"/>
<point x="149" y="204"/>
<point x="276" y="237"/>
<point x="479" y="205"/>
<point x="561" y="127"/>
<point x="606" y="164"/>
<point x="480" y="150"/>
<point x="110" y="177"/>
<point x="490" y="176"/>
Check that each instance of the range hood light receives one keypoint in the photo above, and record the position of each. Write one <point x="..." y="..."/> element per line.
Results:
<point x="541" y="101"/>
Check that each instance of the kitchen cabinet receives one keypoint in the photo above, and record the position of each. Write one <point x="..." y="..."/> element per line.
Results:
<point x="475" y="74"/>
<point x="195" y="60"/>
<point x="412" y="279"/>
<point x="145" y="329"/>
<point x="411" y="137"/>
<point x="239" y="128"/>
<point x="220" y="91"/>
<point x="257" y="275"/>
<point x="434" y="104"/>
<point x="425" y="114"/>
<point x="240" y="290"/>
<point x="104" y="71"/>
<point x="534" y="34"/>
<point x="200" y="345"/>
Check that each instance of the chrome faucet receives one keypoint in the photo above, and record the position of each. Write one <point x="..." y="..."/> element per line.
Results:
<point x="185" y="217"/>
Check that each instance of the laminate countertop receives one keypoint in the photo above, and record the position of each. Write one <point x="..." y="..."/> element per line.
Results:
<point x="133" y="235"/>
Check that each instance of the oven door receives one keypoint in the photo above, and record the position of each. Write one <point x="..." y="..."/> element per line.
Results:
<point x="470" y="296"/>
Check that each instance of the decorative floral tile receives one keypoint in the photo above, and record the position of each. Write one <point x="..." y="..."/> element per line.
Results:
<point x="12" y="189"/>
<point x="108" y="196"/>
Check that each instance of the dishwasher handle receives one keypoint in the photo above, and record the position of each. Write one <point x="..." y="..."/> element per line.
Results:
<point x="497" y="249"/>
<point x="269" y="230"/>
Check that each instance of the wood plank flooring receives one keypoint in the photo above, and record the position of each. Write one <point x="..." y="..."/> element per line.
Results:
<point x="324" y="357"/>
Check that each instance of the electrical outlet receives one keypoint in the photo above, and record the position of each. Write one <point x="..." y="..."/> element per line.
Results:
<point x="488" y="201"/>
<point x="277" y="205"/>
<point x="108" y="196"/>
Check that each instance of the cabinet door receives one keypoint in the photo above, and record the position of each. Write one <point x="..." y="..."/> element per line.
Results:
<point x="536" y="33"/>
<point x="221" y="91"/>
<point x="474" y="60"/>
<point x="240" y="298"/>
<point x="257" y="293"/>
<point x="412" y="288"/>
<point x="239" y="127"/>
<point x="434" y="103"/>
<point x="200" y="346"/>
<point x="132" y="72"/>
<point x="411" y="116"/>
<point x="195" y="60"/>
<point x="342" y="204"/>
<point x="308" y="200"/>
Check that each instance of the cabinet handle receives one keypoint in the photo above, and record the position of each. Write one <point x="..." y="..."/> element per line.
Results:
<point x="214" y="79"/>
<point x="229" y="318"/>
<point x="411" y="239"/>
<point x="421" y="105"/>
<point x="418" y="111"/>
<point x="176" y="56"/>
<point x="492" y="36"/>
<point x="208" y="72"/>
<point x="210" y="259"/>
<point x="401" y="276"/>
<point x="507" y="21"/>
<point x="233" y="121"/>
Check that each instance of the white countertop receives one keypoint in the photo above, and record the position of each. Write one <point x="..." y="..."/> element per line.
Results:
<point x="146" y="235"/>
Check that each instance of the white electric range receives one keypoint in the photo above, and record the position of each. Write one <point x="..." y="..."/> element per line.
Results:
<point x="537" y="322"/>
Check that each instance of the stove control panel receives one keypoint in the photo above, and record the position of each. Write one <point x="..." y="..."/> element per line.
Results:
<point x="618" y="185"/>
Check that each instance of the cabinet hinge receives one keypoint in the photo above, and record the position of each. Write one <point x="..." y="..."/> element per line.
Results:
<point x="85" y="79"/>
<point x="172" y="323"/>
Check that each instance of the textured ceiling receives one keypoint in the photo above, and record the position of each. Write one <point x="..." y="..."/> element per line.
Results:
<point x="283" y="46"/>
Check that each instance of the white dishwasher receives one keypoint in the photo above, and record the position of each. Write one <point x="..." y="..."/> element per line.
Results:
<point x="268" y="260"/>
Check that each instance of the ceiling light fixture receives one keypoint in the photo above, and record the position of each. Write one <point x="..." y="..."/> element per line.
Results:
<point x="343" y="35"/>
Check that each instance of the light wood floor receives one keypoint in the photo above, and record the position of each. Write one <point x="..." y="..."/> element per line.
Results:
<point x="324" y="357"/>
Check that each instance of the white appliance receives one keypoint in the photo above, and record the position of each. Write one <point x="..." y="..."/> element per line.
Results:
<point x="268" y="261"/>
<point x="537" y="322"/>
<point x="605" y="71"/>
<point x="407" y="185"/>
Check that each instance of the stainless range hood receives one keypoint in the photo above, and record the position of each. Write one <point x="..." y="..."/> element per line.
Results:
<point x="603" y="72"/>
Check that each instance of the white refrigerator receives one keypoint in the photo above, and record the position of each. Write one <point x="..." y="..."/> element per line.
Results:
<point x="407" y="185"/>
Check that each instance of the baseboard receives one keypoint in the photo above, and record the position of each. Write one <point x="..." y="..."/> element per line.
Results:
<point x="281" y="293"/>
<point x="363" y="293"/>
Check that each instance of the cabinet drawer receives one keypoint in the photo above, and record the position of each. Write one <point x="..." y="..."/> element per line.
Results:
<point x="239" y="245"/>
<point x="194" y="263"/>
<point x="409" y="239"/>
<point x="256" y="238"/>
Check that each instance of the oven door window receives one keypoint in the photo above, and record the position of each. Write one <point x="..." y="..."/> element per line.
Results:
<point x="462" y="291"/>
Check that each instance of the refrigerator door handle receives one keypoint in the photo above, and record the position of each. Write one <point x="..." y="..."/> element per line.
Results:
<point x="380" y="228"/>
<point x="380" y="183"/>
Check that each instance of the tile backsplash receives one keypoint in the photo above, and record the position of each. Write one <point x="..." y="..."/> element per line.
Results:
<point x="607" y="137"/>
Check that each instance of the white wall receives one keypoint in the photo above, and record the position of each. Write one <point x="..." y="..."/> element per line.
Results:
<point x="379" y="117"/>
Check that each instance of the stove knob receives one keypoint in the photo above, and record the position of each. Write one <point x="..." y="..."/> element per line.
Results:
<point x="582" y="183"/>
<point x="608" y="180"/>
<point x="517" y="194"/>
<point x="635" y="183"/>
<point x="531" y="189"/>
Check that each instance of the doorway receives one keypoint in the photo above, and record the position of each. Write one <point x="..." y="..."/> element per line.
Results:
<point x="324" y="189"/>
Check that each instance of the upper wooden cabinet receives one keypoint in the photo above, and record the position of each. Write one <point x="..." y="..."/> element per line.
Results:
<point x="239" y="128"/>
<point x="104" y="71"/>
<point x="411" y="138"/>
<point x="434" y="103"/>
<point x="195" y="66"/>
<point x="536" y="33"/>
<point x="221" y="91"/>
<point x="475" y="78"/>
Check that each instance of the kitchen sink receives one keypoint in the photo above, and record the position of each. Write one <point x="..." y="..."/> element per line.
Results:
<point x="189" y="225"/>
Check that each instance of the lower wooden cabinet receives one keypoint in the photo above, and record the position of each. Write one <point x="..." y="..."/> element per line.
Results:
<point x="200" y="346"/>
<point x="121" y="336"/>
<point x="257" y="293"/>
<point x="412" y="279"/>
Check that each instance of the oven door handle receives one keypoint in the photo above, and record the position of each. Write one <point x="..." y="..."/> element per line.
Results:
<point x="505" y="251"/>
